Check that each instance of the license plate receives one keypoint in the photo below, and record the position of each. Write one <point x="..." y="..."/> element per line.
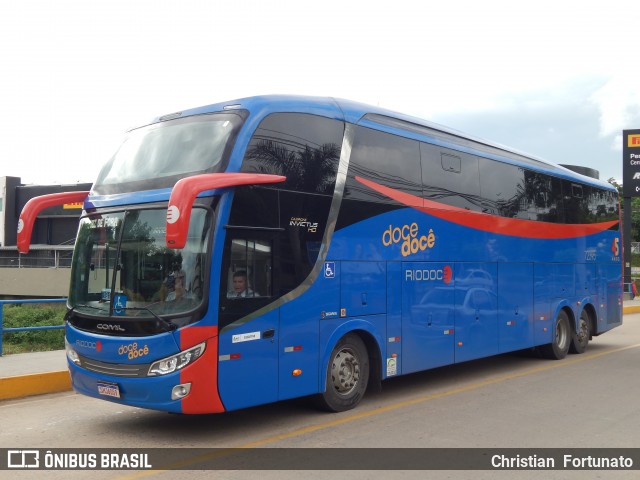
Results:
<point x="109" y="389"/>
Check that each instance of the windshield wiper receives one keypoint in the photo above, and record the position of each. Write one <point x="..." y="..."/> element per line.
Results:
<point x="81" y="305"/>
<point x="169" y="326"/>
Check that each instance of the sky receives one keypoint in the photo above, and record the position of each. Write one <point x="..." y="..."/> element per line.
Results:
<point x="558" y="80"/>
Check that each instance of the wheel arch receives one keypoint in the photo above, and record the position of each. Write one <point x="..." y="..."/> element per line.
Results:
<point x="592" y="314"/>
<point x="573" y="318"/>
<point x="372" y="340"/>
<point x="566" y="307"/>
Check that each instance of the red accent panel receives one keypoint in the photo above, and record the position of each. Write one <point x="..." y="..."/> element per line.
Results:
<point x="491" y="223"/>
<point x="203" y="373"/>
<point x="187" y="189"/>
<point x="34" y="206"/>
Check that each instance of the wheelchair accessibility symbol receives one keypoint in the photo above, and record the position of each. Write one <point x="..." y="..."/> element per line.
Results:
<point x="119" y="304"/>
<point x="329" y="269"/>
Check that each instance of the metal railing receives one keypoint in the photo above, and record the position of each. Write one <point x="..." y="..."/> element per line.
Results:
<point x="26" y="329"/>
<point x="40" y="256"/>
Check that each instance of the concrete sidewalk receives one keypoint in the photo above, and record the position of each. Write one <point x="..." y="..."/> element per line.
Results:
<point x="37" y="373"/>
<point x="25" y="374"/>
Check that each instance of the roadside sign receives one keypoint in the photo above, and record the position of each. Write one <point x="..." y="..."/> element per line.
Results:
<point x="631" y="162"/>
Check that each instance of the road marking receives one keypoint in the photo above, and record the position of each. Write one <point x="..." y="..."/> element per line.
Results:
<point x="370" y="413"/>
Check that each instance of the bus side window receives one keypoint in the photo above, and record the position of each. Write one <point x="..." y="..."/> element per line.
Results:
<point x="249" y="274"/>
<point x="450" y="177"/>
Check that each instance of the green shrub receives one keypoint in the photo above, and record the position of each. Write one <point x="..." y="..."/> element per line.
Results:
<point x="33" y="315"/>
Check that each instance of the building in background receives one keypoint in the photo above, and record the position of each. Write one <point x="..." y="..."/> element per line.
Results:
<point x="44" y="270"/>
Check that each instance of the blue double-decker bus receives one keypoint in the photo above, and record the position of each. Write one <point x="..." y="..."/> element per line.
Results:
<point x="276" y="247"/>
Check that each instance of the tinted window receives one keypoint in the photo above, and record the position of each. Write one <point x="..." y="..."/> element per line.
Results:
<point x="304" y="148"/>
<point x="304" y="220"/>
<point x="255" y="206"/>
<point x="502" y="187"/>
<point x="599" y="205"/>
<point x="603" y="205"/>
<point x="543" y="198"/>
<point x="450" y="177"/>
<point x="160" y="154"/>
<point x="575" y="204"/>
<point x="385" y="159"/>
<point x="274" y="232"/>
<point x="249" y="274"/>
<point x="587" y="204"/>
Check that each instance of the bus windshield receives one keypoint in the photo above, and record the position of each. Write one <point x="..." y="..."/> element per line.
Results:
<point x="121" y="265"/>
<point x="158" y="155"/>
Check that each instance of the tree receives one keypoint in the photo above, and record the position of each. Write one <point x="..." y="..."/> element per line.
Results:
<point x="635" y="210"/>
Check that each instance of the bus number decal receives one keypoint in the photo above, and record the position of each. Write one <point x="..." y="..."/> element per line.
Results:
<point x="615" y="248"/>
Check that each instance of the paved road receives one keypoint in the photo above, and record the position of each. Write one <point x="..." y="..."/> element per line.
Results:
<point x="589" y="400"/>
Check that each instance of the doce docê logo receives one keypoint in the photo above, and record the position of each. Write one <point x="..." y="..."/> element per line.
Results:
<point x="409" y="238"/>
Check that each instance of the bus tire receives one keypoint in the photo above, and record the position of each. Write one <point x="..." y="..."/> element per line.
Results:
<point x="580" y="338"/>
<point x="559" y="347"/>
<point x="347" y="375"/>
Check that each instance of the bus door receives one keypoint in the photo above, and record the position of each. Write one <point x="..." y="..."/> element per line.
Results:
<point x="428" y="301"/>
<point x="248" y="342"/>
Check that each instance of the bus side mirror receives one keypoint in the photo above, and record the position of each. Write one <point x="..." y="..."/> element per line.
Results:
<point x="187" y="189"/>
<point x="34" y="206"/>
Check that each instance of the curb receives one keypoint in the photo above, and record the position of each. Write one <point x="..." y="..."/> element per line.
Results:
<point x="35" y="384"/>
<point x="631" y="309"/>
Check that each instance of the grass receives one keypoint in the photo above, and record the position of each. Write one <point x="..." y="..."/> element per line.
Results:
<point x="36" y="315"/>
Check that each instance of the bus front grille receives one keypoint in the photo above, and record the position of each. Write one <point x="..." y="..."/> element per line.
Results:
<point x="115" y="369"/>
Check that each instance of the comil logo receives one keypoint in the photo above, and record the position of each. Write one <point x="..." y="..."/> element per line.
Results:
<point x="173" y="214"/>
<point x="634" y="140"/>
<point x="409" y="238"/>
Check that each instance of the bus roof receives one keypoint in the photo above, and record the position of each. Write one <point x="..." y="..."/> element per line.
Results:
<point x="390" y="121"/>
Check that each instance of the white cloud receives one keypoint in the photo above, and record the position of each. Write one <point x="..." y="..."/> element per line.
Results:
<point x="619" y="104"/>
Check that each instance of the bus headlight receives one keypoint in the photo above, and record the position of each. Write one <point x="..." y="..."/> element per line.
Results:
<point x="71" y="353"/>
<point x="177" y="361"/>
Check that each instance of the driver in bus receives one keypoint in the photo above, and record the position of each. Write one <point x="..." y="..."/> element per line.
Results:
<point x="241" y="286"/>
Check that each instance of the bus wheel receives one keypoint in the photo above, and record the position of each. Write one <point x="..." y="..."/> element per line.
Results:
<point x="347" y="375"/>
<point x="580" y="339"/>
<point x="559" y="348"/>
